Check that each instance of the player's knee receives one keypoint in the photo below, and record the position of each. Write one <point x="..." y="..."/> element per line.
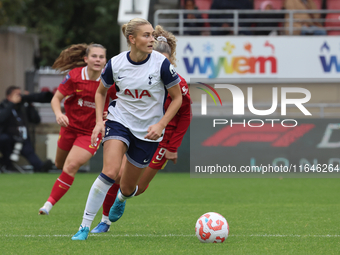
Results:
<point x="112" y="173"/>
<point x="127" y="190"/>
<point x="71" y="168"/>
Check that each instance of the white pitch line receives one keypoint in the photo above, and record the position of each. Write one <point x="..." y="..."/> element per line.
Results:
<point x="175" y="235"/>
<point x="278" y="235"/>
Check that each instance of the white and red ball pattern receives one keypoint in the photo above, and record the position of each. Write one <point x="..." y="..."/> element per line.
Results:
<point x="212" y="227"/>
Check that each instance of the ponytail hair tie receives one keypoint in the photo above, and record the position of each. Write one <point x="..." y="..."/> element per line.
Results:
<point x="162" y="39"/>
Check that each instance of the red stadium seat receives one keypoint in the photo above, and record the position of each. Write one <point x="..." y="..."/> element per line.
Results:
<point x="277" y="4"/>
<point x="335" y="17"/>
<point x="203" y="4"/>
<point x="333" y="4"/>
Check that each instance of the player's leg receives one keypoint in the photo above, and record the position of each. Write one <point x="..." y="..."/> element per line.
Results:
<point x="128" y="188"/>
<point x="138" y="156"/>
<point x="76" y="158"/>
<point x="113" y="151"/>
<point x="79" y="154"/>
<point x="65" y="143"/>
<point x="105" y="223"/>
<point x="63" y="182"/>
<point x="146" y="178"/>
<point x="60" y="157"/>
<point x="158" y="162"/>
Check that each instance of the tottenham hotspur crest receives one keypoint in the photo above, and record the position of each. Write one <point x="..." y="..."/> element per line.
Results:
<point x="172" y="70"/>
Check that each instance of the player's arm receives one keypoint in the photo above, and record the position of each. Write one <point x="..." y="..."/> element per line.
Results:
<point x="99" y="98"/>
<point x="106" y="81"/>
<point x="61" y="118"/>
<point x="155" y="131"/>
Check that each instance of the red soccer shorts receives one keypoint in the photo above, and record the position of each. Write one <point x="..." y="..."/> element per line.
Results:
<point x="69" y="137"/>
<point x="158" y="160"/>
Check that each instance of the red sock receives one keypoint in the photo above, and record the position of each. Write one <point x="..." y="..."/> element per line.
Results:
<point x="110" y="198"/>
<point x="60" y="187"/>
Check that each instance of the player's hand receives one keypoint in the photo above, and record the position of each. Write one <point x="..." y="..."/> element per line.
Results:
<point x="171" y="156"/>
<point x="98" y="129"/>
<point x="154" y="132"/>
<point x="62" y="120"/>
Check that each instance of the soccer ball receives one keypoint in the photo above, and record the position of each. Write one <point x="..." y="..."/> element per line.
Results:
<point x="212" y="227"/>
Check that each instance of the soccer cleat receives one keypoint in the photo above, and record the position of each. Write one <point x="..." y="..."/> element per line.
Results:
<point x="81" y="234"/>
<point x="102" y="227"/>
<point x="116" y="210"/>
<point x="43" y="211"/>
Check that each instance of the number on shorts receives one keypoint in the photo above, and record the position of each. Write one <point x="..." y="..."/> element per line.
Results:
<point x="161" y="154"/>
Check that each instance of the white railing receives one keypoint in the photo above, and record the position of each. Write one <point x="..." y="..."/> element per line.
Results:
<point x="176" y="17"/>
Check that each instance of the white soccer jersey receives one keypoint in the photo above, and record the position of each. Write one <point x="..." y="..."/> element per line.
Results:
<point x="141" y="90"/>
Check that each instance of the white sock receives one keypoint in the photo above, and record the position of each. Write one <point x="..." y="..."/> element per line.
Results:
<point x="48" y="206"/>
<point x="106" y="219"/>
<point x="95" y="200"/>
<point x="122" y="198"/>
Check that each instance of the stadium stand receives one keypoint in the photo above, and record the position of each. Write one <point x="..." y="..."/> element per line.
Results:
<point x="201" y="5"/>
<point x="318" y="4"/>
<point x="204" y="5"/>
<point x="277" y="4"/>
<point x="333" y="4"/>
<point x="333" y="21"/>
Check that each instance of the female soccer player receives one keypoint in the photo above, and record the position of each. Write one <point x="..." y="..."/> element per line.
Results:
<point x="167" y="149"/>
<point x="136" y="120"/>
<point x="78" y="88"/>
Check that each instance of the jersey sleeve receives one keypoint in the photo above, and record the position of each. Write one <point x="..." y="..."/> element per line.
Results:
<point x="107" y="75"/>
<point x="66" y="86"/>
<point x="168" y="74"/>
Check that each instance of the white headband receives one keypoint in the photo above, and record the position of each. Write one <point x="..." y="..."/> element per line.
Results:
<point x="161" y="39"/>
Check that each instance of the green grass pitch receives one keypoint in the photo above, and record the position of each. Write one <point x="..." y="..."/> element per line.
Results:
<point x="266" y="216"/>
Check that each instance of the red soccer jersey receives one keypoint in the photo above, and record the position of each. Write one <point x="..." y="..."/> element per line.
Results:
<point x="79" y="103"/>
<point x="181" y="121"/>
